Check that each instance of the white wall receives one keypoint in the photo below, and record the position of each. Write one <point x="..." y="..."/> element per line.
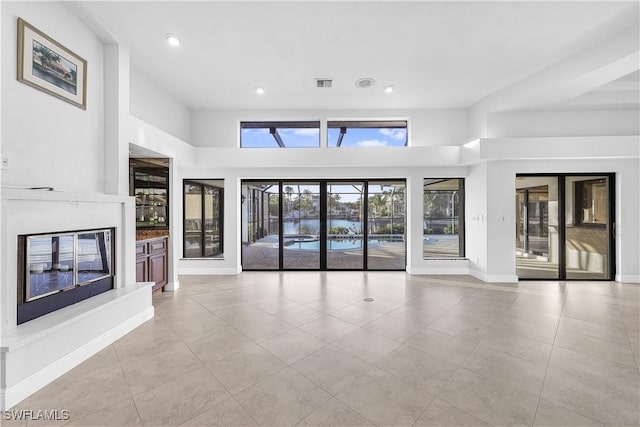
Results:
<point x="218" y="128"/>
<point x="50" y="142"/>
<point x="563" y="123"/>
<point x="158" y="107"/>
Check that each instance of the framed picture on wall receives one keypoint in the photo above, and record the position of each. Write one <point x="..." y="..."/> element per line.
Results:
<point x="49" y="66"/>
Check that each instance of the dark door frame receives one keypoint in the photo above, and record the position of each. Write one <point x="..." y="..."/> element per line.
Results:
<point x="323" y="221"/>
<point x="562" y="199"/>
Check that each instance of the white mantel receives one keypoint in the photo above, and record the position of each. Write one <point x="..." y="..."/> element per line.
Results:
<point x="36" y="352"/>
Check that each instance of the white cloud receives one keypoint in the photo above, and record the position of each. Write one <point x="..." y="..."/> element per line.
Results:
<point x="371" y="143"/>
<point x="306" y="132"/>
<point x="397" y="134"/>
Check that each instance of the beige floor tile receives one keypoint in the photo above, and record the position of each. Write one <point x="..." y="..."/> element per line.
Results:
<point x="153" y="336"/>
<point x="608" y="350"/>
<point x="394" y="328"/>
<point x="245" y="368"/>
<point x="504" y="335"/>
<point x="428" y="373"/>
<point x="179" y="400"/>
<point x="357" y="314"/>
<point x="441" y="346"/>
<point x="533" y="351"/>
<point x="266" y="329"/>
<point x="196" y="328"/>
<point x="329" y="328"/>
<point x="220" y="345"/>
<point x="604" y="391"/>
<point x="597" y="312"/>
<point x="489" y="400"/>
<point x="334" y="413"/>
<point x="299" y="314"/>
<point x="463" y="326"/>
<point x="532" y="324"/>
<point x="332" y="368"/>
<point x="82" y="391"/>
<point x="423" y="315"/>
<point x="367" y="345"/>
<point x="293" y="345"/>
<point x="550" y="414"/>
<point x="441" y="414"/>
<point x="504" y="368"/>
<point x="122" y="414"/>
<point x="225" y="414"/>
<point x="505" y="296"/>
<point x="384" y="399"/>
<point x="547" y="303"/>
<point x="616" y="406"/>
<point x="283" y="399"/>
<point x="273" y="305"/>
<point x="149" y="372"/>
<point x="242" y="315"/>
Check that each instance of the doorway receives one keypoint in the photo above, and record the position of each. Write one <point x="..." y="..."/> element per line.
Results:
<point x="323" y="224"/>
<point x="565" y="226"/>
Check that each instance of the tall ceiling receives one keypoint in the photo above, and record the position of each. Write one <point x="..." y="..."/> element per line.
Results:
<point x="435" y="54"/>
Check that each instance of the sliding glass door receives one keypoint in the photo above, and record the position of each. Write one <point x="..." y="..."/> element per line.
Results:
<point x="588" y="226"/>
<point x="323" y="225"/>
<point x="345" y="219"/>
<point x="564" y="227"/>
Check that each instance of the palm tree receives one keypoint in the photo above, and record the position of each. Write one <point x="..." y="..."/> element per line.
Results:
<point x="47" y="56"/>
<point x="377" y="207"/>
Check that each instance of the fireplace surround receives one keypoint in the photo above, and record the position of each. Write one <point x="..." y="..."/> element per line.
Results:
<point x="58" y="269"/>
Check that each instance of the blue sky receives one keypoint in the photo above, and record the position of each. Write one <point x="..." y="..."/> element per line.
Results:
<point x="355" y="137"/>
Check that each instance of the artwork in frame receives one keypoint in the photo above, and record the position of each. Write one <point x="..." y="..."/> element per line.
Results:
<point x="49" y="66"/>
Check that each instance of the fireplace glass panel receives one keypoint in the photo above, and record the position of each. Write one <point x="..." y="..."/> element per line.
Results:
<point x="94" y="256"/>
<point x="49" y="264"/>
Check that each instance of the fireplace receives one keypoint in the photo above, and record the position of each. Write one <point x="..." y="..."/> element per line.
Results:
<point x="58" y="269"/>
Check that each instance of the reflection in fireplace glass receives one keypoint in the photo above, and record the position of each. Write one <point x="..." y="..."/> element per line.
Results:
<point x="50" y="264"/>
<point x="94" y="256"/>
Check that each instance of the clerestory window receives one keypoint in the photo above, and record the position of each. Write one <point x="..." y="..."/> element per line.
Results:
<point x="280" y="134"/>
<point x="367" y="133"/>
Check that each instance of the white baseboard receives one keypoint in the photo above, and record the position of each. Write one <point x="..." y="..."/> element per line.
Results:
<point x="480" y="275"/>
<point x="628" y="278"/>
<point x="203" y="271"/>
<point x="172" y="286"/>
<point x="440" y="271"/>
<point x="501" y="278"/>
<point x="20" y="391"/>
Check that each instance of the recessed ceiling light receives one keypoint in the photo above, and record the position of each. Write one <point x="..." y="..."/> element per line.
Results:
<point x="260" y="90"/>
<point x="172" y="39"/>
<point x="365" y="82"/>
<point x="388" y="89"/>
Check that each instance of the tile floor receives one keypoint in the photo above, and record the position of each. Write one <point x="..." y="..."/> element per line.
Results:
<point x="303" y="348"/>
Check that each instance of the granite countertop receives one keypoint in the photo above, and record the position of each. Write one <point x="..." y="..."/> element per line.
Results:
<point x="151" y="233"/>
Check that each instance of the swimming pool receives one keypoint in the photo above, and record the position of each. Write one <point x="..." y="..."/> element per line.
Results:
<point x="333" y="244"/>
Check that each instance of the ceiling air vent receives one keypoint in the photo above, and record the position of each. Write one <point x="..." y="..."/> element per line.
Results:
<point x="323" y="82"/>
<point x="365" y="82"/>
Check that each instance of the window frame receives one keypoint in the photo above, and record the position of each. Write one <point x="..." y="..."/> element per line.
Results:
<point x="203" y="231"/>
<point x="274" y="125"/>
<point x="461" y="218"/>
<point x="344" y="124"/>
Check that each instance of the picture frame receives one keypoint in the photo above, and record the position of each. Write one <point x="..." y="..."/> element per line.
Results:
<point x="47" y="65"/>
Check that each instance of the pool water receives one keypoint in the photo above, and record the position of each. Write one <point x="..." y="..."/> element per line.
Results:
<point x="332" y="244"/>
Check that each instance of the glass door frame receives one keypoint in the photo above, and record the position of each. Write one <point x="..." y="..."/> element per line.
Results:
<point x="562" y="212"/>
<point x="323" y="183"/>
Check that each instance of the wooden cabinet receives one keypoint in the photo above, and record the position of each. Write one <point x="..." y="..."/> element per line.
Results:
<point x="151" y="261"/>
